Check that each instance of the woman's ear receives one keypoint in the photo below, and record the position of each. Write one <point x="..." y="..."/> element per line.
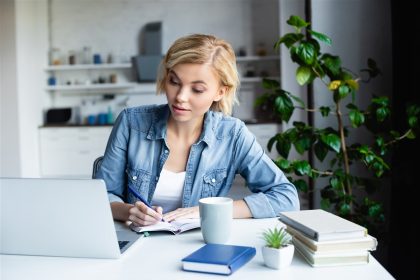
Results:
<point x="222" y="91"/>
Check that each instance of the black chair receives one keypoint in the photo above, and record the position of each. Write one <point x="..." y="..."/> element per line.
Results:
<point x="96" y="164"/>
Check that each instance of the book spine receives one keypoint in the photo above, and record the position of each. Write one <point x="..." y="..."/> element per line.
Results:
<point x="299" y="227"/>
<point x="243" y="259"/>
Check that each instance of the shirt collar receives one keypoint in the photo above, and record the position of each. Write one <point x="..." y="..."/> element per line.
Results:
<point x="157" y="129"/>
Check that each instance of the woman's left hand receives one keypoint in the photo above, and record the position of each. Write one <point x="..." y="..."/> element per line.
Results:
<point x="182" y="213"/>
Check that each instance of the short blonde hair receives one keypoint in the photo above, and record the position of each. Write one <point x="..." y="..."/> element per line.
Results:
<point x="201" y="49"/>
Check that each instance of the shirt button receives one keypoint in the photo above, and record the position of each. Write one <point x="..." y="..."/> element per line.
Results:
<point x="157" y="178"/>
<point x="134" y="178"/>
<point x="213" y="180"/>
<point x="166" y="151"/>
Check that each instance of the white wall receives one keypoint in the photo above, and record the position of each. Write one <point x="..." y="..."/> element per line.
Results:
<point x="106" y="26"/>
<point x="9" y="134"/>
<point x="31" y="43"/>
<point x="114" y="26"/>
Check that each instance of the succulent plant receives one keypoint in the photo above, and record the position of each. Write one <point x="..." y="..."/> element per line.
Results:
<point x="276" y="238"/>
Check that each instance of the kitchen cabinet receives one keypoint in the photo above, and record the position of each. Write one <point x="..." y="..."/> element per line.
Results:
<point x="70" y="151"/>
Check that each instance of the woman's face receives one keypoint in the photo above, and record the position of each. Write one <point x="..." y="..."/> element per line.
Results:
<point x="191" y="89"/>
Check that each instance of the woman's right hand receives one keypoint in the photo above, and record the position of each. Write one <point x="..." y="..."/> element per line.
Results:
<point x="141" y="215"/>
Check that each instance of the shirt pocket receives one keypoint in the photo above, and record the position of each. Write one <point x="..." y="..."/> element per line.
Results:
<point x="137" y="180"/>
<point x="213" y="182"/>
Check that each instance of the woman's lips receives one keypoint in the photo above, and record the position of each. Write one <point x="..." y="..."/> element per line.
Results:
<point x="179" y="109"/>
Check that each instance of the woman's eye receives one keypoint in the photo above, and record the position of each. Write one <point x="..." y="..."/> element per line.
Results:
<point x="173" y="82"/>
<point x="197" y="90"/>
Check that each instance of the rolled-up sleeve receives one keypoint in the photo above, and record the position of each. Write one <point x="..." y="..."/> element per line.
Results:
<point x="272" y="191"/>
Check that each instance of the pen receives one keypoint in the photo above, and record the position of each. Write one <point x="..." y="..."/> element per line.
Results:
<point x="139" y="197"/>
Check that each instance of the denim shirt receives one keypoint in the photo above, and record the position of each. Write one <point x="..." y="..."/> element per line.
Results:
<point x="137" y="150"/>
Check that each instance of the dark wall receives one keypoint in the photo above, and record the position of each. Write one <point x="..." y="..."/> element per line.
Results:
<point x="403" y="258"/>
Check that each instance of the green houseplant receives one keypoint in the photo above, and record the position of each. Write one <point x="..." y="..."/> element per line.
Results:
<point x="331" y="144"/>
<point x="278" y="250"/>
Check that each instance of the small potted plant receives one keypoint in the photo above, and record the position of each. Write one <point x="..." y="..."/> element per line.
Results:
<point x="278" y="250"/>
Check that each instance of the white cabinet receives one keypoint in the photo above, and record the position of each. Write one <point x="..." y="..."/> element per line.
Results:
<point x="70" y="151"/>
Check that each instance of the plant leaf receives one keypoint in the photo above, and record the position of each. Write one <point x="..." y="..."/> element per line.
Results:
<point x="302" y="167"/>
<point x="284" y="164"/>
<point x="325" y="111"/>
<point x="283" y="146"/>
<point x="332" y="141"/>
<point x="289" y="39"/>
<point x="301" y="185"/>
<point x="284" y="106"/>
<point x="270" y="84"/>
<point x="320" y="150"/>
<point x="357" y="118"/>
<point x="322" y="37"/>
<point x="297" y="99"/>
<point x="271" y="142"/>
<point x="302" y="144"/>
<point x="332" y="64"/>
<point x="412" y="121"/>
<point x="307" y="52"/>
<point x="297" y="22"/>
<point x="354" y="85"/>
<point x="411" y="134"/>
<point x="303" y="75"/>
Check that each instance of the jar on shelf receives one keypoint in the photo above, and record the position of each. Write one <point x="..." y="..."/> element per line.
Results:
<point x="72" y="57"/>
<point x="261" y="49"/>
<point x="55" y="56"/>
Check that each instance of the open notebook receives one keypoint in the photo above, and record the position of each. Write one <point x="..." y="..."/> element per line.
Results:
<point x="176" y="227"/>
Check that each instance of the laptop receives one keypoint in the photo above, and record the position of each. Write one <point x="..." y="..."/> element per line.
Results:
<point x="59" y="217"/>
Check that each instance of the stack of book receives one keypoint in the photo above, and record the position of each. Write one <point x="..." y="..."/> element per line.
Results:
<point x="325" y="239"/>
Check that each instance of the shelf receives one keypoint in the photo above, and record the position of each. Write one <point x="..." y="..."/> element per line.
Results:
<point x="87" y="67"/>
<point x="257" y="58"/>
<point x="90" y="87"/>
<point x="256" y="79"/>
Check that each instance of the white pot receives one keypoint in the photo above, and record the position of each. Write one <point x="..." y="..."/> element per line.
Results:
<point x="278" y="258"/>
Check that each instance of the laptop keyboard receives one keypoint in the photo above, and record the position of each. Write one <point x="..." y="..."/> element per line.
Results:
<point x="122" y="244"/>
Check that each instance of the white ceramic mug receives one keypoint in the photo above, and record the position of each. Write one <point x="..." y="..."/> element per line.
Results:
<point x="216" y="218"/>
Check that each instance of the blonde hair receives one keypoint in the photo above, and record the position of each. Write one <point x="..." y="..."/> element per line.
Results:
<point x="201" y="49"/>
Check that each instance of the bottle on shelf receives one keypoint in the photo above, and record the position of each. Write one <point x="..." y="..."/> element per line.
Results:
<point x="110" y="116"/>
<point x="87" y="55"/>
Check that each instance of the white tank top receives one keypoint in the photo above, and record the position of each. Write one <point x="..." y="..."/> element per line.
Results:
<point x="168" y="192"/>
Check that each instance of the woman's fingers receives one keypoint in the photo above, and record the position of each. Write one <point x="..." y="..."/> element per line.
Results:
<point x="182" y="213"/>
<point x="158" y="210"/>
<point x="142" y="215"/>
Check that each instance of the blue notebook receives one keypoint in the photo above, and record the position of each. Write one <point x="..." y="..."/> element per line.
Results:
<point x="218" y="258"/>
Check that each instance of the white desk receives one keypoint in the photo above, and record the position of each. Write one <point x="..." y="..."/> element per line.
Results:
<point x="159" y="257"/>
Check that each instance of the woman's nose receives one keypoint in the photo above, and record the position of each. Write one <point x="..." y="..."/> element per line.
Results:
<point x="182" y="95"/>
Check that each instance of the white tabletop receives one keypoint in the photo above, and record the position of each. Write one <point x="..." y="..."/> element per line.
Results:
<point x="159" y="257"/>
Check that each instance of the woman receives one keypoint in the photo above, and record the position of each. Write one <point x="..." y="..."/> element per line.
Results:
<point x="174" y="154"/>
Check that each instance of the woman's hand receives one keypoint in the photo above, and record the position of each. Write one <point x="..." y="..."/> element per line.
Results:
<point x="182" y="213"/>
<point x="141" y="215"/>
